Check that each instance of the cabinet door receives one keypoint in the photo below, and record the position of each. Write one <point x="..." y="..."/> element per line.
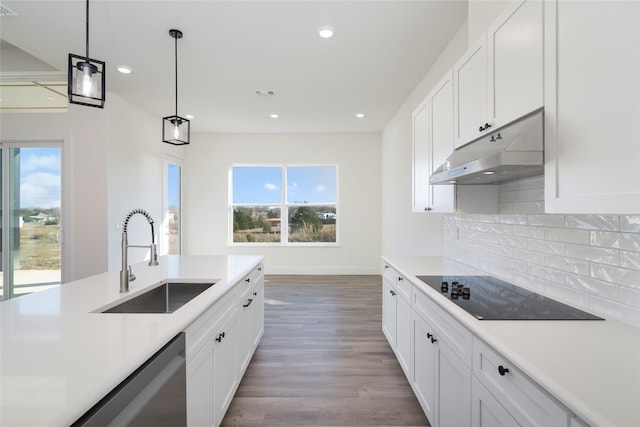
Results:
<point x="200" y="388"/>
<point x="470" y="94"/>
<point x="454" y="385"/>
<point x="225" y="372"/>
<point x="423" y="381"/>
<point x="257" y="314"/>
<point x="420" y="135"/>
<point x="441" y="141"/>
<point x="389" y="312"/>
<point x="592" y="107"/>
<point x="515" y="59"/>
<point x="403" y="334"/>
<point x="486" y="410"/>
<point x="244" y="325"/>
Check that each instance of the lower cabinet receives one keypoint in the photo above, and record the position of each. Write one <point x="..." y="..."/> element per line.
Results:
<point x="459" y="380"/>
<point x="220" y="344"/>
<point x="441" y="381"/>
<point x="513" y="391"/>
<point x="396" y="316"/>
<point x="486" y="410"/>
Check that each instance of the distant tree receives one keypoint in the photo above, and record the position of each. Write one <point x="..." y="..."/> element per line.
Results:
<point x="242" y="220"/>
<point x="305" y="217"/>
<point x="266" y="227"/>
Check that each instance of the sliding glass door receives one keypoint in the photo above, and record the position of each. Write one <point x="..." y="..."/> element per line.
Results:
<point x="31" y="186"/>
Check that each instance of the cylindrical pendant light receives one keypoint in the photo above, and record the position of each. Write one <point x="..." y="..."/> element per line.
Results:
<point x="176" y="130"/>
<point x="86" y="77"/>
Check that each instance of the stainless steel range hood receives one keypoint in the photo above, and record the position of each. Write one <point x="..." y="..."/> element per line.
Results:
<point x="511" y="152"/>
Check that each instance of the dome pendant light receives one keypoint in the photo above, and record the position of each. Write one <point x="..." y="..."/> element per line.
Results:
<point x="86" y="77"/>
<point x="176" y="130"/>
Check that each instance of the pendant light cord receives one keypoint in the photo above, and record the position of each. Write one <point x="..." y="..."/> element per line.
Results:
<point x="176" y="56"/>
<point x="87" y="31"/>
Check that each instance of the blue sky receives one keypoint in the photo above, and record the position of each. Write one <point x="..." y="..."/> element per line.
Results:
<point x="173" y="185"/>
<point x="262" y="185"/>
<point x="40" y="177"/>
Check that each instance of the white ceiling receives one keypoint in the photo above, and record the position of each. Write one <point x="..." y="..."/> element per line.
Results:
<point x="379" y="53"/>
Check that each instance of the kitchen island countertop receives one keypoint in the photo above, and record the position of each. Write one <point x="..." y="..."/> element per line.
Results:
<point x="58" y="356"/>
<point x="591" y="367"/>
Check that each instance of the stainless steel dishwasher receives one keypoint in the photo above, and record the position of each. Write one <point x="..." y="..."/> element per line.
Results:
<point x="154" y="395"/>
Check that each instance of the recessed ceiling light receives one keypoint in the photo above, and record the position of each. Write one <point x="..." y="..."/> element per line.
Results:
<point x="274" y="115"/>
<point x="189" y="116"/>
<point x="452" y="181"/>
<point x="326" y="32"/>
<point x="489" y="172"/>
<point x="360" y="115"/>
<point x="124" y="69"/>
<point x="51" y="98"/>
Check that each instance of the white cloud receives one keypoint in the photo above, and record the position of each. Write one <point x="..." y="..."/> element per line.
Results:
<point x="269" y="186"/>
<point x="40" y="190"/>
<point x="40" y="163"/>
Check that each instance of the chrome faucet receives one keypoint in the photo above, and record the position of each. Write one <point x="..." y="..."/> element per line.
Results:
<point x="126" y="275"/>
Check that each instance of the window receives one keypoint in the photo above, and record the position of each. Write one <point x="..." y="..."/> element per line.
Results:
<point x="172" y="207"/>
<point x="284" y="204"/>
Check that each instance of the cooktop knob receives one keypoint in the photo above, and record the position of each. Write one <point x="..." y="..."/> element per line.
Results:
<point x="444" y="287"/>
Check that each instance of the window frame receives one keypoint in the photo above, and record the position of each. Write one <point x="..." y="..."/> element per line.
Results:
<point x="284" y="206"/>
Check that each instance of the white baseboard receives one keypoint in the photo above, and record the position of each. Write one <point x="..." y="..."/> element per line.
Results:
<point x="323" y="271"/>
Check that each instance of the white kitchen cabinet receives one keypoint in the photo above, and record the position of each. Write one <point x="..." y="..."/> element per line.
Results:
<point x="212" y="374"/>
<point x="441" y="369"/>
<point x="515" y="63"/>
<point x="592" y="107"/>
<point x="219" y="347"/>
<point x="397" y="316"/>
<point x="389" y="311"/>
<point x="225" y="371"/>
<point x="432" y="144"/>
<point x="250" y="317"/>
<point x="441" y="381"/>
<point x="420" y="199"/>
<point x="486" y="411"/>
<point x="520" y="397"/>
<point x="207" y="362"/>
<point x="470" y="94"/>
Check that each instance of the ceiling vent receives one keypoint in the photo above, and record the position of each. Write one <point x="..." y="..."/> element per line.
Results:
<point x="265" y="93"/>
<point x="5" y="11"/>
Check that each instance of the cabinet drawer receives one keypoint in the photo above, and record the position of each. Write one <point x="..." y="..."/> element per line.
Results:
<point x="389" y="273"/>
<point x="254" y="276"/>
<point x="199" y="331"/>
<point x="456" y="336"/>
<point x="404" y="287"/>
<point x="520" y="396"/>
<point x="399" y="283"/>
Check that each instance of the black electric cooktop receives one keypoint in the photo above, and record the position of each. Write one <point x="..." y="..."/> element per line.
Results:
<point x="488" y="298"/>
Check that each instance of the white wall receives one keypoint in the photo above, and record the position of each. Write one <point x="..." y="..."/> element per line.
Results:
<point x="136" y="155"/>
<point x="84" y="134"/>
<point x="358" y="158"/>
<point x="112" y="164"/>
<point x="405" y="232"/>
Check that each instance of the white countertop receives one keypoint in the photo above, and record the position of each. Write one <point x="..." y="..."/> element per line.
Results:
<point x="591" y="367"/>
<point x="58" y="357"/>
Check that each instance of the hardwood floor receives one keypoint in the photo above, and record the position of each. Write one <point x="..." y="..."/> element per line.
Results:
<point x="323" y="360"/>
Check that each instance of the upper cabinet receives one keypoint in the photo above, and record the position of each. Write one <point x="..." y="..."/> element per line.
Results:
<point x="432" y="144"/>
<point x="470" y="94"/>
<point x="592" y="107"/>
<point x="515" y="63"/>
<point x="500" y="78"/>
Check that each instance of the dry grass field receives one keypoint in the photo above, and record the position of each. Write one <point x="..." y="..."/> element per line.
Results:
<point x="39" y="247"/>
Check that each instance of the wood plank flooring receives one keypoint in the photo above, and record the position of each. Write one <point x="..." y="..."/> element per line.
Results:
<point x="323" y="360"/>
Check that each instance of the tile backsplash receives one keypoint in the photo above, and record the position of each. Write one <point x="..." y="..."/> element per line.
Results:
<point x="589" y="261"/>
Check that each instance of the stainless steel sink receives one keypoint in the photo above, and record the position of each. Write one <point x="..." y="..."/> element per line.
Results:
<point x="166" y="298"/>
